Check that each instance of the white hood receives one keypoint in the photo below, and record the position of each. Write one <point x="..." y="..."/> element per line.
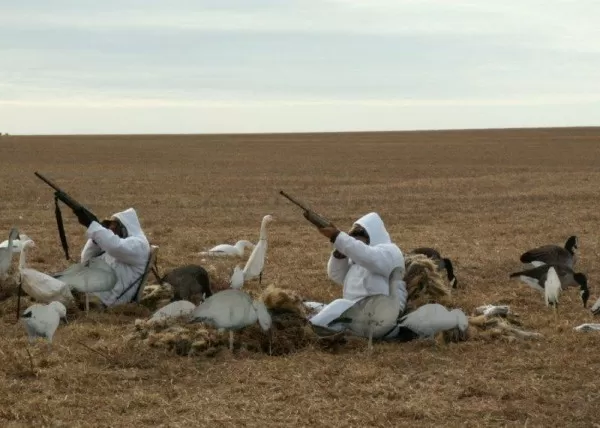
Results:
<point x="130" y="220"/>
<point x="374" y="226"/>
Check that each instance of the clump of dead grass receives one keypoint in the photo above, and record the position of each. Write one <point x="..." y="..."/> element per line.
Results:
<point x="424" y="283"/>
<point x="289" y="331"/>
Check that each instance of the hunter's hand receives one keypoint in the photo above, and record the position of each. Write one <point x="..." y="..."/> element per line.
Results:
<point x="85" y="217"/>
<point x="330" y="232"/>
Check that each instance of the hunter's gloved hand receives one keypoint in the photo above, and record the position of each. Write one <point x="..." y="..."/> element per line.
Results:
<point x="84" y="216"/>
<point x="338" y="255"/>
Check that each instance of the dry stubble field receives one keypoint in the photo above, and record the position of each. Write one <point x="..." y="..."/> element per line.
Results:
<point x="481" y="197"/>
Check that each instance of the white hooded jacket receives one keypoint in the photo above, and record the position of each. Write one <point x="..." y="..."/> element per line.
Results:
<point x="127" y="256"/>
<point x="366" y="269"/>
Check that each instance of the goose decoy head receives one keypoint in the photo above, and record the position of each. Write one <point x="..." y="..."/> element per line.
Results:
<point x="585" y="295"/>
<point x="584" y="291"/>
<point x="572" y="244"/>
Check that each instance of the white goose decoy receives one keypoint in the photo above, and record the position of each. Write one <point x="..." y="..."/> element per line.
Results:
<point x="95" y="276"/>
<point x="596" y="307"/>
<point x="377" y="315"/>
<point x="229" y="250"/>
<point x="43" y="320"/>
<point x="430" y="319"/>
<point x="587" y="327"/>
<point x="256" y="262"/>
<point x="232" y="310"/>
<point x="237" y="278"/>
<point x="17" y="243"/>
<point x="6" y="254"/>
<point x="40" y="286"/>
<point x="175" y="309"/>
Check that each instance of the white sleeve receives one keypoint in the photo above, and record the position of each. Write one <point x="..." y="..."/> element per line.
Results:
<point x="380" y="259"/>
<point x="126" y="250"/>
<point x="337" y="269"/>
<point x="90" y="250"/>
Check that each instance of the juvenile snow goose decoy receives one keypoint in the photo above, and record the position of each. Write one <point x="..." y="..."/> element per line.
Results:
<point x="442" y="262"/>
<point x="43" y="320"/>
<point x="228" y="249"/>
<point x="553" y="254"/>
<point x="537" y="276"/>
<point x="256" y="262"/>
<point x="188" y="281"/>
<point x="6" y="254"/>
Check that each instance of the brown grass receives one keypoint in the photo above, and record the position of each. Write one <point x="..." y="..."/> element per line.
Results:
<point x="481" y="197"/>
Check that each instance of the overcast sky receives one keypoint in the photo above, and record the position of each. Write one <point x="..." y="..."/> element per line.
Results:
<point x="192" y="66"/>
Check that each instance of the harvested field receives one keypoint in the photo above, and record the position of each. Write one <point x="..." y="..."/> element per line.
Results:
<point x="480" y="197"/>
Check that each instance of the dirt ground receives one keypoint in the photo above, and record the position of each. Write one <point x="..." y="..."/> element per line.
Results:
<point x="480" y="197"/>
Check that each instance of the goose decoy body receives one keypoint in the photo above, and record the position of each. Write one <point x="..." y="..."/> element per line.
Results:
<point x="553" y="254"/>
<point x="430" y="319"/>
<point x="232" y="309"/>
<point x="43" y="320"/>
<point x="6" y="254"/>
<point x="536" y="278"/>
<point x="188" y="281"/>
<point x="443" y="263"/>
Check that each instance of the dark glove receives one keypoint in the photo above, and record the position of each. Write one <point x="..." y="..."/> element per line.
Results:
<point x="338" y="255"/>
<point x="84" y="216"/>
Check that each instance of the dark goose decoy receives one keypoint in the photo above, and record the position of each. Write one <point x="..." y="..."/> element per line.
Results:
<point x="553" y="254"/>
<point x="443" y="263"/>
<point x="537" y="276"/>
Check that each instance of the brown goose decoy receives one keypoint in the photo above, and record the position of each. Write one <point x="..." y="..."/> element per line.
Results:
<point x="537" y="276"/>
<point x="443" y="263"/>
<point x="553" y="254"/>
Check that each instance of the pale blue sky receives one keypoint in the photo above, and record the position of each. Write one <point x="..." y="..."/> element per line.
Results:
<point x="296" y="66"/>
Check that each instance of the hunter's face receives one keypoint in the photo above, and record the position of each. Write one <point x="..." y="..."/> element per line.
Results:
<point x="358" y="232"/>
<point x="115" y="226"/>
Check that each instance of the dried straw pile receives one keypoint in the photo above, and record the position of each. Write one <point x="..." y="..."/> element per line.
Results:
<point x="289" y="333"/>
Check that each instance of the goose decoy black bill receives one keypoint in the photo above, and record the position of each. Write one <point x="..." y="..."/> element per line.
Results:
<point x="536" y="278"/>
<point x="442" y="262"/>
<point x="552" y="254"/>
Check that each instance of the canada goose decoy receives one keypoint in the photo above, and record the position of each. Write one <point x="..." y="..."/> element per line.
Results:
<point x="552" y="289"/>
<point x="537" y="276"/>
<point x="553" y="254"/>
<point x="443" y="263"/>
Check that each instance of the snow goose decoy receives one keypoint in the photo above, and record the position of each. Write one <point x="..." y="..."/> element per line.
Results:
<point x="443" y="263"/>
<point x="17" y="244"/>
<point x="6" y="254"/>
<point x="536" y="278"/>
<point x="232" y="310"/>
<point x="429" y="320"/>
<point x="40" y="286"/>
<point x="43" y="320"/>
<point x="256" y="262"/>
<point x="553" y="254"/>
<point x="377" y="315"/>
<point x="175" y="309"/>
<point x="229" y="250"/>
<point x="237" y="278"/>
